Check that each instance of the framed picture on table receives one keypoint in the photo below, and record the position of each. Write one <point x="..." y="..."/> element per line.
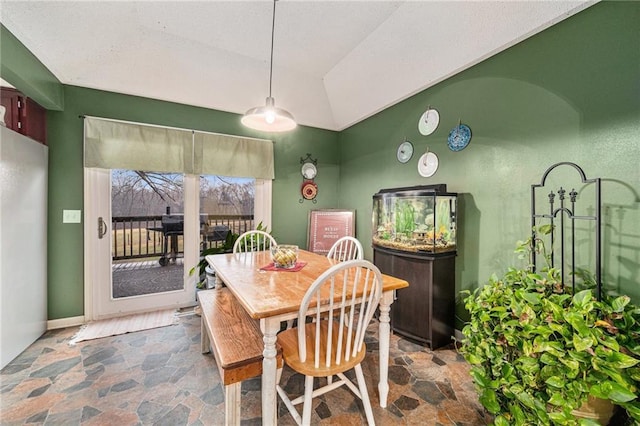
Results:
<point x="326" y="226"/>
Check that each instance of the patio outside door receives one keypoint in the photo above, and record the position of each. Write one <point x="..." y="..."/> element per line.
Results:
<point x="108" y="297"/>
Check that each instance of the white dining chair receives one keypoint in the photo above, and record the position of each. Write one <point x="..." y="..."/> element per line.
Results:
<point x="254" y="241"/>
<point x="346" y="248"/>
<point x="329" y="340"/>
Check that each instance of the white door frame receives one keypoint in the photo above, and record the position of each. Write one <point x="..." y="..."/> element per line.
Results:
<point x="262" y="202"/>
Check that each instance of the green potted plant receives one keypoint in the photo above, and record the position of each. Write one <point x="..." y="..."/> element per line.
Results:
<point x="202" y="265"/>
<point x="538" y="352"/>
<point x="249" y="240"/>
<point x="226" y="247"/>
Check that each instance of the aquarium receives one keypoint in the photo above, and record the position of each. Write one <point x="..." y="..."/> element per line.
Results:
<point x="415" y="219"/>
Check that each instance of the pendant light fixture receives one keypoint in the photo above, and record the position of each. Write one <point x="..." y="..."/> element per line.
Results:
<point x="269" y="118"/>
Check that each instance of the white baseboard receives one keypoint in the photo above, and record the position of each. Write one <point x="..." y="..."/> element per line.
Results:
<point x="65" y="322"/>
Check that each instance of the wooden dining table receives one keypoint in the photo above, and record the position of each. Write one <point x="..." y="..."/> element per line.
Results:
<point x="274" y="296"/>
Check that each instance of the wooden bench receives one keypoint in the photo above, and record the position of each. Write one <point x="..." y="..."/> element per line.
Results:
<point x="236" y="342"/>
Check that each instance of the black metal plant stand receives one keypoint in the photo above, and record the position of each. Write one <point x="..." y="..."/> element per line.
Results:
<point x="564" y="210"/>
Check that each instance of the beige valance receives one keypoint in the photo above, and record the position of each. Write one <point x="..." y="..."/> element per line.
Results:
<point x="233" y="156"/>
<point x="112" y="144"/>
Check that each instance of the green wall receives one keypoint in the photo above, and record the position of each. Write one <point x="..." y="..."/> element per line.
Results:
<point x="64" y="133"/>
<point x="22" y="69"/>
<point x="289" y="221"/>
<point x="570" y="93"/>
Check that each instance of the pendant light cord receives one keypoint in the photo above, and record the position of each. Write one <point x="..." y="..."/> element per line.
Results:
<point x="273" y="26"/>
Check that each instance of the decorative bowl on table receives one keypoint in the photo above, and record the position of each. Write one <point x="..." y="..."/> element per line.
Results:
<point x="284" y="255"/>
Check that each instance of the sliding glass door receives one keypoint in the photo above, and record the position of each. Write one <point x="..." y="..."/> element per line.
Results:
<point x="139" y="235"/>
<point x="113" y="151"/>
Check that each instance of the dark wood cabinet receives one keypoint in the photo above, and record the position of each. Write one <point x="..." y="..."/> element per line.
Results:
<point x="424" y="311"/>
<point x="24" y="115"/>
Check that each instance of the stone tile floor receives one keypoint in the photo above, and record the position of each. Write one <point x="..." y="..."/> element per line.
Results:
<point x="159" y="377"/>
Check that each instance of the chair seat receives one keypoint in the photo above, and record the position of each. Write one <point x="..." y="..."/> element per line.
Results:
<point x="288" y="340"/>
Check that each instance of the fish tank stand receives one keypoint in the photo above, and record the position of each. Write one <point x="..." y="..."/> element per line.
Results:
<point x="424" y="311"/>
<point x="414" y="238"/>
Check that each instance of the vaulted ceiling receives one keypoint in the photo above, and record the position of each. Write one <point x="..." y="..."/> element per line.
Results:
<point x="335" y="63"/>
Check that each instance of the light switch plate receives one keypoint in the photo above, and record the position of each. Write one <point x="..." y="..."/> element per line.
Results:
<point x="71" y="216"/>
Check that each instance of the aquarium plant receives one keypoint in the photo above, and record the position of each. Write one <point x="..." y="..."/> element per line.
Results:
<point x="405" y="218"/>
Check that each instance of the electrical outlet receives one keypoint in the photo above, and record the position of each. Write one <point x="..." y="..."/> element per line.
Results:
<point x="71" y="216"/>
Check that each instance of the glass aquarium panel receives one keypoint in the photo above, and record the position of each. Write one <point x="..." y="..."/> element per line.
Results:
<point x="415" y="219"/>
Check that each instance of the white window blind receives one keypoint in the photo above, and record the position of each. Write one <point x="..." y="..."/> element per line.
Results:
<point x="112" y="144"/>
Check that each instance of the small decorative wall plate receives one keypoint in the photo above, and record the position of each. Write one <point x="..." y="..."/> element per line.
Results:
<point x="428" y="122"/>
<point x="309" y="170"/>
<point x="428" y="164"/>
<point x="309" y="190"/>
<point x="459" y="137"/>
<point x="405" y="151"/>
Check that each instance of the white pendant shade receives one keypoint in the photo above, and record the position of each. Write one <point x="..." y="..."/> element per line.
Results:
<point x="269" y="118"/>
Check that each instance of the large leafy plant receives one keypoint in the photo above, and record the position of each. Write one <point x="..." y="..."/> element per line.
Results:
<point x="537" y="351"/>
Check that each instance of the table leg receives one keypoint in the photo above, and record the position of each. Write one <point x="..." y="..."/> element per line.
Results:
<point x="218" y="283"/>
<point x="384" y="338"/>
<point x="269" y="327"/>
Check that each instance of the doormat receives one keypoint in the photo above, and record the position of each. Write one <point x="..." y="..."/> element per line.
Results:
<point x="127" y="324"/>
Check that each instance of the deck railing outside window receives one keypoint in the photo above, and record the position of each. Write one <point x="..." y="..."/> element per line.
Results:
<point x="141" y="236"/>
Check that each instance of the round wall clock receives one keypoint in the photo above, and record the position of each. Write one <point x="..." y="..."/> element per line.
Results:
<point x="405" y="151"/>
<point x="428" y="122"/>
<point x="459" y="137"/>
<point x="428" y="164"/>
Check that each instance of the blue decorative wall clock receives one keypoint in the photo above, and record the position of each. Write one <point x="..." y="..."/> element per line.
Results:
<point x="459" y="137"/>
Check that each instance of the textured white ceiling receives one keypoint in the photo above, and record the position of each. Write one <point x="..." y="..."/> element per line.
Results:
<point x="335" y="62"/>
